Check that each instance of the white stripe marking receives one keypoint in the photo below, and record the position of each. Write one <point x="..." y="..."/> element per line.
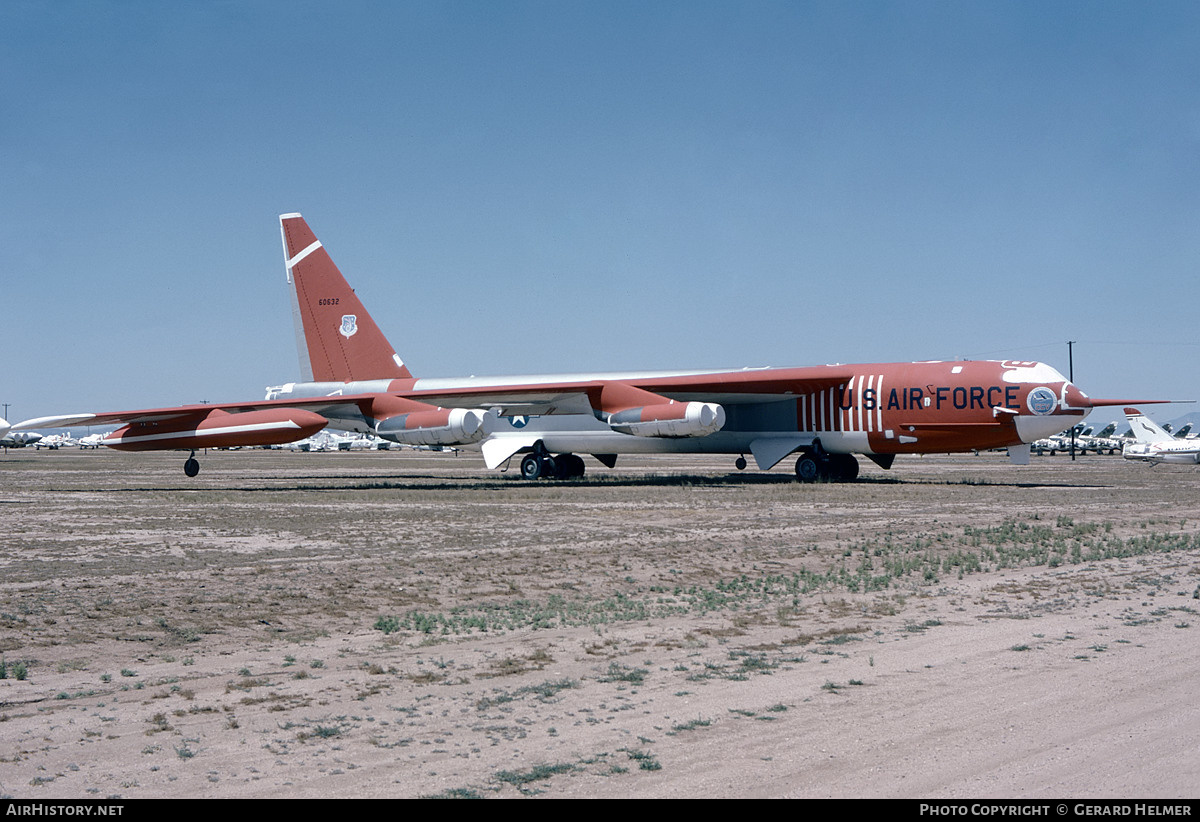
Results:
<point x="879" y="405"/>
<point x="858" y="425"/>
<point x="870" y="382"/>
<point x="295" y="260"/>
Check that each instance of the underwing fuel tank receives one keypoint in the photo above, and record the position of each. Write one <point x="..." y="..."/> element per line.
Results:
<point x="674" y="419"/>
<point x="440" y="426"/>
<point x="218" y="429"/>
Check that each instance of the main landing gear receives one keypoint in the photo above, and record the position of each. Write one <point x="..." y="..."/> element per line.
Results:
<point x="820" y="465"/>
<point x="541" y="465"/>
<point x="192" y="466"/>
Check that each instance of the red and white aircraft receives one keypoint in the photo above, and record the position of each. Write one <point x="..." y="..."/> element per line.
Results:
<point x="1152" y="444"/>
<point x="353" y="380"/>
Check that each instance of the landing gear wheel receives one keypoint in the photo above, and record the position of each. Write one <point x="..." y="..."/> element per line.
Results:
<point x="740" y="463"/>
<point x="191" y="467"/>
<point x="843" y="467"/>
<point x="807" y="468"/>
<point x="570" y="466"/>
<point x="531" y="467"/>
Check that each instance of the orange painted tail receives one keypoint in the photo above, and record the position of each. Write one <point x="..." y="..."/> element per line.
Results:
<point x="337" y="339"/>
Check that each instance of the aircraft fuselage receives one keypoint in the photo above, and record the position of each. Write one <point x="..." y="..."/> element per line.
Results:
<point x="879" y="408"/>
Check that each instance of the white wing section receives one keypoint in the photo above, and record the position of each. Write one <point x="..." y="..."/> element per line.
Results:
<point x="61" y="421"/>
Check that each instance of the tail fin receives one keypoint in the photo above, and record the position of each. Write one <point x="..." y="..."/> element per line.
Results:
<point x="1144" y="428"/>
<point x="337" y="339"/>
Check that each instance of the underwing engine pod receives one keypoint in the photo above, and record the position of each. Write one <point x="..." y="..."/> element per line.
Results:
<point x="440" y="426"/>
<point x="672" y="419"/>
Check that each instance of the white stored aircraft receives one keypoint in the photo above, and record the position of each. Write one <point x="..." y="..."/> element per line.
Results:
<point x="55" y="442"/>
<point x="1154" y="445"/>
<point x="18" y="439"/>
<point x="92" y="441"/>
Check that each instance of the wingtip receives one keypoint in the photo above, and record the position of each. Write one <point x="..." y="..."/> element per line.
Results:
<point x="65" y="420"/>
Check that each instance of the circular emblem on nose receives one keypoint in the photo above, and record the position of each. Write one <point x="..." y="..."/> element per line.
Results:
<point x="1041" y="401"/>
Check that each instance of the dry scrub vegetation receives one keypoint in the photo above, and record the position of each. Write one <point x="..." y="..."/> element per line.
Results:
<point x="383" y="624"/>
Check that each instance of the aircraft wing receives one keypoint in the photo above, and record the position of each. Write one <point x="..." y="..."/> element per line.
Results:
<point x="111" y="417"/>
<point x="182" y="412"/>
<point x="567" y="396"/>
<point x="750" y="384"/>
<point x="673" y="406"/>
<point x="508" y="401"/>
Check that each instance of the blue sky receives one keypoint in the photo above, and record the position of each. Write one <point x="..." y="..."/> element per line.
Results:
<point x="559" y="186"/>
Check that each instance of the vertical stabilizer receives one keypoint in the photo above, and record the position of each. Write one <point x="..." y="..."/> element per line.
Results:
<point x="337" y="339"/>
<point x="1144" y="428"/>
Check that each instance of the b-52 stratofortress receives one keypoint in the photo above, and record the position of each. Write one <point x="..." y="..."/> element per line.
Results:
<point x="352" y="379"/>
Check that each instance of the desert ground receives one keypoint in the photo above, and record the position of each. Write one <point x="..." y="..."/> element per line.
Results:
<point x="410" y="624"/>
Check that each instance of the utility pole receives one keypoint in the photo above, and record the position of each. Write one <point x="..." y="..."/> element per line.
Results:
<point x="1071" y="377"/>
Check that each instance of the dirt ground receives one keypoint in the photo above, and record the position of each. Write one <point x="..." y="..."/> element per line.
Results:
<point x="405" y="625"/>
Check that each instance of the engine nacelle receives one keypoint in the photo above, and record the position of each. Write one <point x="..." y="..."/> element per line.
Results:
<point x="218" y="429"/>
<point x="673" y="419"/>
<point x="441" y="426"/>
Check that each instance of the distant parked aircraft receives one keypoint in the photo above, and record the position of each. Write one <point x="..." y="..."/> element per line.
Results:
<point x="18" y="439"/>
<point x="56" y="441"/>
<point x="1154" y="445"/>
